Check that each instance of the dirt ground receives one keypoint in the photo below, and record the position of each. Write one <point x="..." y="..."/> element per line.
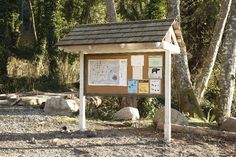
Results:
<point x="28" y="132"/>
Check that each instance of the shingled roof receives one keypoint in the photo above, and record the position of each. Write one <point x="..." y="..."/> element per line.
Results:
<point x="115" y="33"/>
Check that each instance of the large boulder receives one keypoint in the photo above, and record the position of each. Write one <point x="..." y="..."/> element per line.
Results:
<point x="127" y="113"/>
<point x="176" y="117"/>
<point x="228" y="124"/>
<point x="60" y="106"/>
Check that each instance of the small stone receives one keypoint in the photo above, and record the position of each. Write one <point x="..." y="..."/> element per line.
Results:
<point x="55" y="141"/>
<point x="91" y="134"/>
<point x="32" y="141"/>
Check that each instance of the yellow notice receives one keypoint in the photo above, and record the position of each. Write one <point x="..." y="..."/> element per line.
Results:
<point x="143" y="86"/>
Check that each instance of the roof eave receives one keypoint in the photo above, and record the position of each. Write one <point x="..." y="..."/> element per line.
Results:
<point x="115" y="48"/>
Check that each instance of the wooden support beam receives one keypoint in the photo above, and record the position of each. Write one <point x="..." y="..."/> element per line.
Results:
<point x="114" y="48"/>
<point x="173" y="36"/>
<point x="82" y="119"/>
<point x="175" y="49"/>
<point x="167" y="124"/>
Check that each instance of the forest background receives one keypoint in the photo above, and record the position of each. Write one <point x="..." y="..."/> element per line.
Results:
<point x="29" y="59"/>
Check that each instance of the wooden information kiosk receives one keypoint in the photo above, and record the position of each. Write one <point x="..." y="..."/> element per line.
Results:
<point x="130" y="58"/>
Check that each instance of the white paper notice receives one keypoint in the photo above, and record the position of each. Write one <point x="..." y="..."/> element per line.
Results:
<point x="137" y="60"/>
<point x="123" y="72"/>
<point x="137" y="72"/>
<point x="155" y="86"/>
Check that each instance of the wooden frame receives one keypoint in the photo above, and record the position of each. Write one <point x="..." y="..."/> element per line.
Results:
<point x="121" y="90"/>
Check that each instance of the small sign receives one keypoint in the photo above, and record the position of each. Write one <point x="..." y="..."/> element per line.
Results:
<point x="137" y="72"/>
<point x="143" y="86"/>
<point x="155" y="86"/>
<point x="155" y="61"/>
<point x="155" y="73"/>
<point x="137" y="60"/>
<point x="132" y="86"/>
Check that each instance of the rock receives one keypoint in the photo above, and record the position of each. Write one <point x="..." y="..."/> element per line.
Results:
<point x="91" y="134"/>
<point x="3" y="96"/>
<point x="61" y="106"/>
<point x="4" y="102"/>
<point x="64" y="129"/>
<point x="34" y="100"/>
<point x="127" y="113"/>
<point x="229" y="124"/>
<point x="176" y="117"/>
<point x="12" y="96"/>
<point x="32" y="141"/>
<point x="55" y="141"/>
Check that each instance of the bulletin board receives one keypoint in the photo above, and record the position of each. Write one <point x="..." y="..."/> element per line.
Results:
<point x="124" y="74"/>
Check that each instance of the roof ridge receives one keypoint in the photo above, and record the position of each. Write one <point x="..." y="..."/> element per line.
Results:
<point x="126" y="22"/>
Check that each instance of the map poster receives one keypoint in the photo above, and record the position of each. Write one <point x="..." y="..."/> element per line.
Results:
<point x="155" y="86"/>
<point x="107" y="72"/>
<point x="143" y="86"/>
<point x="155" y="61"/>
<point x="132" y="86"/>
<point x="155" y="73"/>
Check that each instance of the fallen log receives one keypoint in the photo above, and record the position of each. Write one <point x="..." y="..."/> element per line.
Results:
<point x="4" y="102"/>
<point x="15" y="102"/>
<point x="201" y="131"/>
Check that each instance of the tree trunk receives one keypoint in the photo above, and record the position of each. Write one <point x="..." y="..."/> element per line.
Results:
<point x="227" y="76"/>
<point x="186" y="96"/>
<point x="210" y="58"/>
<point x="173" y="7"/>
<point x="33" y="21"/>
<point x="111" y="11"/>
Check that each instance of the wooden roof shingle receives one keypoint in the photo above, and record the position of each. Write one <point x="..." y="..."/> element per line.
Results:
<point x="120" y="32"/>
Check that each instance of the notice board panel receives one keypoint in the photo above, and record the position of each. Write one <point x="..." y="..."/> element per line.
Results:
<point x="124" y="74"/>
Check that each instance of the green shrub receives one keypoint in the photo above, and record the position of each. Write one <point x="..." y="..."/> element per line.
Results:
<point x="105" y="111"/>
<point x="148" y="106"/>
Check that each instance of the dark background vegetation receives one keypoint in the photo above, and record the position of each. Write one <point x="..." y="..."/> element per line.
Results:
<point x="54" y="18"/>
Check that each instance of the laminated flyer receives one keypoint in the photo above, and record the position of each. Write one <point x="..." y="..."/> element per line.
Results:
<point x="143" y="86"/>
<point x="132" y="86"/>
<point x="155" y="86"/>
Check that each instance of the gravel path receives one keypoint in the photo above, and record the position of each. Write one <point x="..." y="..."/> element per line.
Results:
<point x="29" y="132"/>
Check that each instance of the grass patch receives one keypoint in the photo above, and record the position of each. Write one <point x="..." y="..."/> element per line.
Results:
<point x="65" y="119"/>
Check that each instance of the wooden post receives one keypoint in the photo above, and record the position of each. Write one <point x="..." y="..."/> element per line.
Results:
<point x="167" y="124"/>
<point x="82" y="118"/>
